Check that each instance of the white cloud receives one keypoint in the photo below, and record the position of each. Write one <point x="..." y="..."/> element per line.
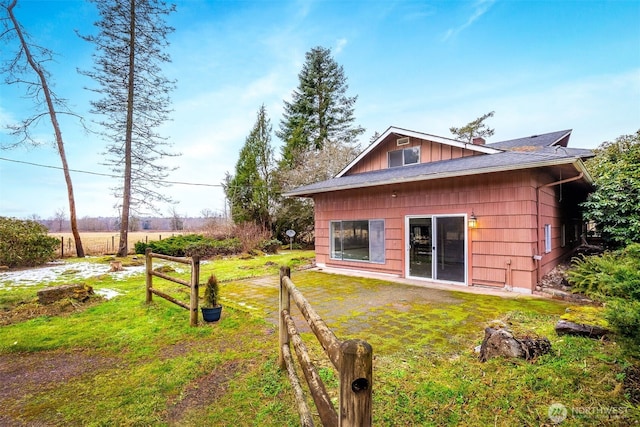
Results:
<point x="480" y="8"/>
<point x="340" y="44"/>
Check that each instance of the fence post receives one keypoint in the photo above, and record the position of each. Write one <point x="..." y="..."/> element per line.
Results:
<point x="356" y="375"/>
<point x="195" y="279"/>
<point x="284" y="305"/>
<point x="61" y="246"/>
<point x="148" y="261"/>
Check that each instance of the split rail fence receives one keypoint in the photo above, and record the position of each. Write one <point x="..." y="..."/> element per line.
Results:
<point x="192" y="284"/>
<point x="351" y="358"/>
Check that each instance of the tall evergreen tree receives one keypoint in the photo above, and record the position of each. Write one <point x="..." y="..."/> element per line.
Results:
<point x="320" y="112"/>
<point x="134" y="98"/>
<point x="319" y="134"/>
<point x="251" y="191"/>
<point x="30" y="58"/>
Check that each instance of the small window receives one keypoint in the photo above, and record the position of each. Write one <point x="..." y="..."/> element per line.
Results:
<point x="547" y="238"/>
<point x="407" y="156"/>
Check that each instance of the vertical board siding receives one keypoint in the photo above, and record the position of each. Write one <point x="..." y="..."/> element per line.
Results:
<point x="429" y="152"/>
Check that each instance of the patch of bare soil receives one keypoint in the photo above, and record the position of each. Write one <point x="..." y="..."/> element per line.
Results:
<point x="32" y="309"/>
<point x="201" y="392"/>
<point x="24" y="374"/>
<point x="555" y="283"/>
<point x="632" y="383"/>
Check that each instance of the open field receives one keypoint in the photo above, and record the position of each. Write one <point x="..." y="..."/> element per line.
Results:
<point x="122" y="362"/>
<point x="105" y="242"/>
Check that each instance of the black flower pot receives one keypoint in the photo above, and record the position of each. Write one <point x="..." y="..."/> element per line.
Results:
<point x="211" y="314"/>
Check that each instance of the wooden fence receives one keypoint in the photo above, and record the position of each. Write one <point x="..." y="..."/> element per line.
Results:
<point x="352" y="359"/>
<point x="103" y="243"/>
<point x="192" y="285"/>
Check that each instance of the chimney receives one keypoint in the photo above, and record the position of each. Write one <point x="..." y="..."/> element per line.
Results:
<point x="478" y="140"/>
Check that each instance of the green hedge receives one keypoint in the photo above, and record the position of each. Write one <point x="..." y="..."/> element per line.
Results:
<point x="191" y="244"/>
<point x="25" y="243"/>
<point x="613" y="278"/>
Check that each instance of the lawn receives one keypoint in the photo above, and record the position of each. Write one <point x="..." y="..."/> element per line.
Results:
<point x="121" y="362"/>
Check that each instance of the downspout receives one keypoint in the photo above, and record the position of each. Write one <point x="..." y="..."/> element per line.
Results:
<point x="538" y="257"/>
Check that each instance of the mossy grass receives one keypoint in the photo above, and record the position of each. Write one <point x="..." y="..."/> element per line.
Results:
<point x="140" y="364"/>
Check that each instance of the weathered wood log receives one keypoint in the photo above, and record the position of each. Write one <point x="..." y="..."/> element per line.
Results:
<point x="564" y="327"/>
<point x="79" y="291"/>
<point x="326" y="411"/>
<point x="499" y="342"/>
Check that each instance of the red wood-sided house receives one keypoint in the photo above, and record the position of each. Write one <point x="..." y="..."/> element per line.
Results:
<point x="421" y="206"/>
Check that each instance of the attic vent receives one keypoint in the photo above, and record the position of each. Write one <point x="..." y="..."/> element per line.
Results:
<point x="402" y="141"/>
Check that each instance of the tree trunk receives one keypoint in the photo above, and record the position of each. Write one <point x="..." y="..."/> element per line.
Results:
<point x="56" y="128"/>
<point x="123" y="249"/>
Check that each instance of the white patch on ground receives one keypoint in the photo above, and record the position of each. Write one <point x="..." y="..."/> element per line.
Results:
<point x="63" y="272"/>
<point x="107" y="293"/>
<point x="60" y="271"/>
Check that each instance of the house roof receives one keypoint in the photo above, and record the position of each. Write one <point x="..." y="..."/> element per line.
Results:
<point x="559" y="138"/>
<point x="523" y="153"/>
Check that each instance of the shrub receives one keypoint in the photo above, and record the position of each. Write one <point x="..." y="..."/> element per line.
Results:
<point x="613" y="278"/>
<point x="624" y="316"/>
<point x="191" y="244"/>
<point x="209" y="247"/>
<point x="25" y="243"/>
<point x="612" y="274"/>
<point x="211" y="292"/>
<point x="251" y="234"/>
<point x="270" y="246"/>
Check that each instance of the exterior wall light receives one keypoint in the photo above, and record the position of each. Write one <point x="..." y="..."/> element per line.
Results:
<point x="473" y="221"/>
<point x="394" y="194"/>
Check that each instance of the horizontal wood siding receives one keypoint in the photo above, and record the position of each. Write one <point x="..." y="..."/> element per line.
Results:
<point x="429" y="152"/>
<point x="502" y="246"/>
<point x="504" y="204"/>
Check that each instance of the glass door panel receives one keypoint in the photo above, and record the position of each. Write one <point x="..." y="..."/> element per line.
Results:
<point x="450" y="248"/>
<point x="420" y="247"/>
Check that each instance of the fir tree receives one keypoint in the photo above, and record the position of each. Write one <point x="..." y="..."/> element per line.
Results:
<point x="134" y="98"/>
<point x="251" y="191"/>
<point x="320" y="112"/>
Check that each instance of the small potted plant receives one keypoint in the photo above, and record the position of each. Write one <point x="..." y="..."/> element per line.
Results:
<point x="211" y="310"/>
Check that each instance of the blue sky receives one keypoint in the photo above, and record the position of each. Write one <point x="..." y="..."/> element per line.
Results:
<point x="541" y="66"/>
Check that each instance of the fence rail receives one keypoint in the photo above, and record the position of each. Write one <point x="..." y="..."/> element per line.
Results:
<point x="352" y="359"/>
<point x="192" y="285"/>
<point x="103" y="243"/>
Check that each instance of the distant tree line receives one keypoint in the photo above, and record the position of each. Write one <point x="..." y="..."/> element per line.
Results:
<point x="112" y="224"/>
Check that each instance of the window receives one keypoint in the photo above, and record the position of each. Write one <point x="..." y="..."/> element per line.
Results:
<point x="357" y="240"/>
<point x="547" y="238"/>
<point x="407" y="156"/>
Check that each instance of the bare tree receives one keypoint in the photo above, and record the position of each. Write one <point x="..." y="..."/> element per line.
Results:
<point x="28" y="58"/>
<point x="59" y="218"/>
<point x="132" y="36"/>
<point x="177" y="222"/>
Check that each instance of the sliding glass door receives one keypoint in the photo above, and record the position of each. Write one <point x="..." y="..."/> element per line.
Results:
<point x="436" y="247"/>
